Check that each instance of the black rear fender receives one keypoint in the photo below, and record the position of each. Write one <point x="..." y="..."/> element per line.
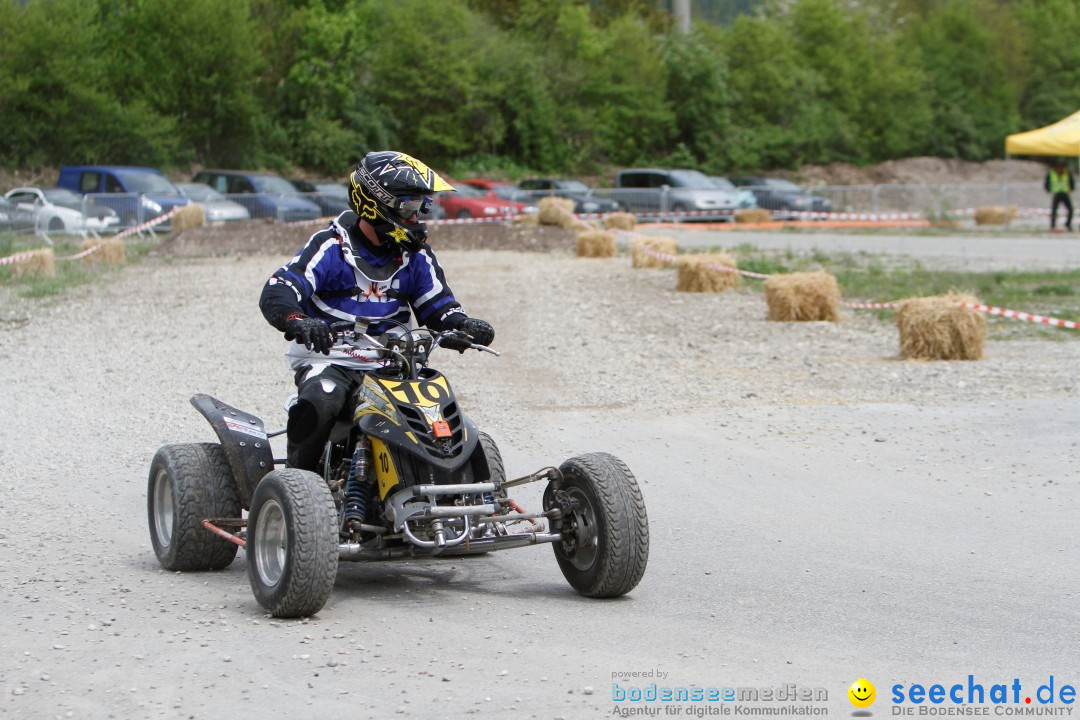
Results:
<point x="243" y="438"/>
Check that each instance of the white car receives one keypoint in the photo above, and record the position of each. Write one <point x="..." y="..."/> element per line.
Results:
<point x="216" y="207"/>
<point x="58" y="210"/>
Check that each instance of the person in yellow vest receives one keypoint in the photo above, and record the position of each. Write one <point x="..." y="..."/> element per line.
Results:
<point x="1059" y="183"/>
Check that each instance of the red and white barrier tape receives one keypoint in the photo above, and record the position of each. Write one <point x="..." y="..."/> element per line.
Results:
<point x="81" y="255"/>
<point x="145" y="226"/>
<point x="1026" y="317"/>
<point x="16" y="258"/>
<point x="473" y="220"/>
<point x="712" y="266"/>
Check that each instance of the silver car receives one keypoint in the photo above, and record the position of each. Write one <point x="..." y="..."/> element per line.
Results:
<point x="217" y="208"/>
<point x="651" y="190"/>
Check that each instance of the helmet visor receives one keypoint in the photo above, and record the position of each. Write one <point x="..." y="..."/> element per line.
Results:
<point x="406" y="206"/>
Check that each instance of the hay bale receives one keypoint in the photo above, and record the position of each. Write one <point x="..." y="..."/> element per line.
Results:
<point x="38" y="263"/>
<point x="662" y="245"/>
<point x="994" y="215"/>
<point x="596" y="243"/>
<point x="697" y="274"/>
<point x="523" y="219"/>
<point x="192" y="215"/>
<point x="110" y="252"/>
<point x="620" y="221"/>
<point x="939" y="328"/>
<point x="802" y="296"/>
<point x="557" y="211"/>
<point x="752" y="216"/>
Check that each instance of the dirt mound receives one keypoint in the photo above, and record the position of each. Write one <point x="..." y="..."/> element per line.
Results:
<point x="272" y="238"/>
<point x="922" y="170"/>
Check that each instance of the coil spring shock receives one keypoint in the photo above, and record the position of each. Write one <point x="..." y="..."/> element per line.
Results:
<point x="356" y="489"/>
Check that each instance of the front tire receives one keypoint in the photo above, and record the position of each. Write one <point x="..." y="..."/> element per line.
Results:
<point x="605" y="545"/>
<point x="188" y="484"/>
<point x="292" y="545"/>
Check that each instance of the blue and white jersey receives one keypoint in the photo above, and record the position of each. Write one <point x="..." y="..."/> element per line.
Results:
<point x="338" y="276"/>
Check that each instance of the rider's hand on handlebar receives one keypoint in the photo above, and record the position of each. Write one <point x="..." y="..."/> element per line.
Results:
<point x="481" y="331"/>
<point x="311" y="333"/>
<point x="455" y="341"/>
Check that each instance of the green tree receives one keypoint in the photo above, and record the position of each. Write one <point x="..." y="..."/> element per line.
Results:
<point x="780" y="119"/>
<point x="700" y="98"/>
<point x="195" y="62"/>
<point x="320" y="92"/>
<point x="55" y="98"/>
<point x="972" y="101"/>
<point x="1051" y="84"/>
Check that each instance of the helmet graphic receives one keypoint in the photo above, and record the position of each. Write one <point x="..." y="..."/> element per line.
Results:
<point x="387" y="189"/>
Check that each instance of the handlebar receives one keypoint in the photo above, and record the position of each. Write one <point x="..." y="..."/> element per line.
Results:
<point x="348" y="340"/>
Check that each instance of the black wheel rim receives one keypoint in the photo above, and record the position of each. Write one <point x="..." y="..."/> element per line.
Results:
<point x="581" y="539"/>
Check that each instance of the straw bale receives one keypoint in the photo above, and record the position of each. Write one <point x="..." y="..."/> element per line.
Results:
<point x="40" y="263"/>
<point x="557" y="211"/>
<point x="596" y="243"/>
<point x="697" y="275"/>
<point x="994" y="215"/>
<point x="620" y="221"/>
<point x="192" y="215"/>
<point x="110" y="252"/>
<point x="803" y="296"/>
<point x="663" y="245"/>
<point x="939" y="328"/>
<point x="752" y="216"/>
<point x="523" y="219"/>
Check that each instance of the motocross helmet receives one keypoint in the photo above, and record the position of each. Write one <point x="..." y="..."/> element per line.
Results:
<point x="388" y="188"/>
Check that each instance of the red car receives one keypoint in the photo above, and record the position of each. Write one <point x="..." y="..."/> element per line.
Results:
<point x="470" y="201"/>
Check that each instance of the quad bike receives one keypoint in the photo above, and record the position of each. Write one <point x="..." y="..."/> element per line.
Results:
<point x="405" y="473"/>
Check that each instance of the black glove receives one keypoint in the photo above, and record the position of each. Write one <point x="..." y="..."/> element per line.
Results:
<point x="481" y="331"/>
<point x="311" y="333"/>
<point x="455" y="342"/>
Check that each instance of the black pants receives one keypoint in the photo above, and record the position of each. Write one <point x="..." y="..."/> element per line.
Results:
<point x="1061" y="199"/>
<point x="323" y="392"/>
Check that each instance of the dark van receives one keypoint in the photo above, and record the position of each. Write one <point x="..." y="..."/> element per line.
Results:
<point x="137" y="194"/>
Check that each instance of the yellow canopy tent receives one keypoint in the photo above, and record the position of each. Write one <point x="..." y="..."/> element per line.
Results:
<point x="1061" y="139"/>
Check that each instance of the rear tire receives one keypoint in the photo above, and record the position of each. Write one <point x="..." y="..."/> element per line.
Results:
<point x="464" y="215"/>
<point x="292" y="544"/>
<point x="188" y="484"/>
<point x="605" y="545"/>
<point x="56" y="225"/>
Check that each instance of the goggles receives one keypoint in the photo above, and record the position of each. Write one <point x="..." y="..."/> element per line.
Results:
<point x="405" y="206"/>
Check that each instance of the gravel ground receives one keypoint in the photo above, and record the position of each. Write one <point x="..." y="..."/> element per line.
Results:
<point x="593" y="350"/>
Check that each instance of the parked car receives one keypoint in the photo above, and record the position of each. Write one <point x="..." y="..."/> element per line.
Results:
<point x="783" y="195"/>
<point x="264" y="194"/>
<point x="59" y="210"/>
<point x="745" y="196"/>
<point x="471" y="202"/>
<point x="136" y="194"/>
<point x="507" y="191"/>
<point x="579" y="192"/>
<point x="331" y="197"/>
<point x="15" y="219"/>
<point x="216" y="207"/>
<point x="651" y="190"/>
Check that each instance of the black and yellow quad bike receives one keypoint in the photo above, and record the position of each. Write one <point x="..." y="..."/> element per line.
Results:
<point x="404" y="474"/>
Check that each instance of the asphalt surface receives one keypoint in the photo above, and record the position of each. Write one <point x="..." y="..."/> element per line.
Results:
<point x="1025" y="246"/>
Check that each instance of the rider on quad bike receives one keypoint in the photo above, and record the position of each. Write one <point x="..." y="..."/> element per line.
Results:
<point x="371" y="265"/>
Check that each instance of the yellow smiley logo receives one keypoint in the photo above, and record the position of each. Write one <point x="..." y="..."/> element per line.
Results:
<point x="862" y="693"/>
